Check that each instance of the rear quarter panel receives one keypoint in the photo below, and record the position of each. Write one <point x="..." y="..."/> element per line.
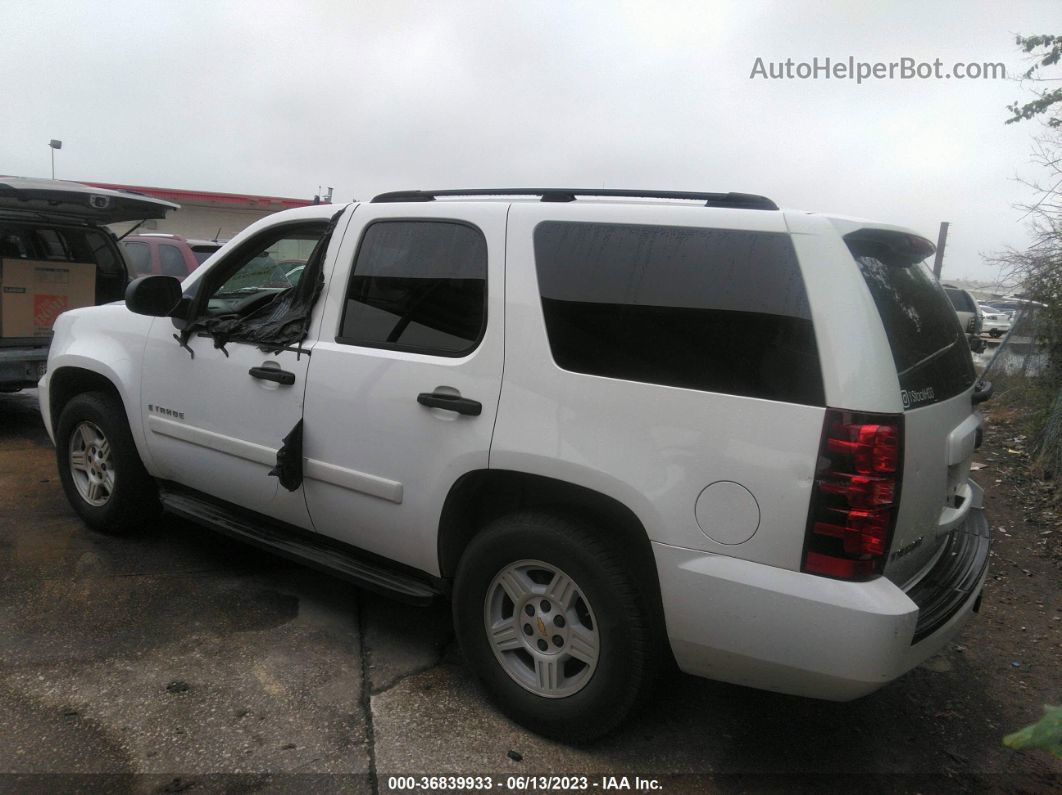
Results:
<point x="653" y="448"/>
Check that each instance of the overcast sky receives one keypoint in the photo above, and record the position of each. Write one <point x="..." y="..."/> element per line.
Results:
<point x="278" y="98"/>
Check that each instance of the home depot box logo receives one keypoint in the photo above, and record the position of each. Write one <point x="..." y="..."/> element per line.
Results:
<point x="34" y="293"/>
<point x="46" y="308"/>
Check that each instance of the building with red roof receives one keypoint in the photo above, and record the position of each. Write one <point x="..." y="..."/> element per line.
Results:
<point x="206" y="215"/>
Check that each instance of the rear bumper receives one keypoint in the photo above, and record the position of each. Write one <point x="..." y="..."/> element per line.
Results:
<point x="781" y="630"/>
<point x="20" y="367"/>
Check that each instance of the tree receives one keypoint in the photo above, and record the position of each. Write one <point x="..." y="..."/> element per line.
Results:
<point x="1045" y="51"/>
<point x="1037" y="270"/>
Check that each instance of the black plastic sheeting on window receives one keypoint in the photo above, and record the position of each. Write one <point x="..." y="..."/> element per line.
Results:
<point x="282" y="322"/>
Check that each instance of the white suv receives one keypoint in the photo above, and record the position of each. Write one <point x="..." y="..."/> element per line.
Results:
<point x="614" y="426"/>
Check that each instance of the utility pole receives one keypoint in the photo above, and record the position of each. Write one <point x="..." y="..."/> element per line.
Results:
<point x="942" y="239"/>
<point x="54" y="144"/>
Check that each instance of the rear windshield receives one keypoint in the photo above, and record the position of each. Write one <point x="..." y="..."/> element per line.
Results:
<point x="929" y="347"/>
<point x="202" y="253"/>
<point x="959" y="299"/>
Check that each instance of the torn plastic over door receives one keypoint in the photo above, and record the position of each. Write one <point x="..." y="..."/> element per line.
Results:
<point x="282" y="322"/>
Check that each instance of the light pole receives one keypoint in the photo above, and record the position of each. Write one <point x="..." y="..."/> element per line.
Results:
<point x="54" y="144"/>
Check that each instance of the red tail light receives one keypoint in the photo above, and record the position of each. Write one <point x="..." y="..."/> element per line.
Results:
<point x="856" y="495"/>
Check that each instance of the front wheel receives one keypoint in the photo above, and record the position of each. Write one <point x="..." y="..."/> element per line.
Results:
<point x="99" y="467"/>
<point x="553" y="624"/>
<point x="995" y="333"/>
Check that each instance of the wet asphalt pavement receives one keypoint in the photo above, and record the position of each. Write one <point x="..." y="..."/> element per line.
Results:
<point x="178" y="660"/>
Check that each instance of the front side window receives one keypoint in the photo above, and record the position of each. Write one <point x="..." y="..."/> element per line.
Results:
<point x="717" y="310"/>
<point x="254" y="274"/>
<point x="418" y="286"/>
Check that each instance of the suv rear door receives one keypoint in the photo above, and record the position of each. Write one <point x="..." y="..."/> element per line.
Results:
<point x="404" y="383"/>
<point x="936" y="374"/>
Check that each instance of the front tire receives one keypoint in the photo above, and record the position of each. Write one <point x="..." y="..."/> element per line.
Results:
<point x="995" y="333"/>
<point x="551" y="621"/>
<point x="99" y="466"/>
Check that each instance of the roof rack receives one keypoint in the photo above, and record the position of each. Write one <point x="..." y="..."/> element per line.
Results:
<point x="744" y="201"/>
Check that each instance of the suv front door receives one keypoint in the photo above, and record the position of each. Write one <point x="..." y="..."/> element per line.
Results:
<point x="215" y="420"/>
<point x="406" y="376"/>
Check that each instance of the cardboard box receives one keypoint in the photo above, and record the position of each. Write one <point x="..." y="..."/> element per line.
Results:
<point x="33" y="293"/>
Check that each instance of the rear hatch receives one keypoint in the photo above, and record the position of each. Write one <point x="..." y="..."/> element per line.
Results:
<point x="71" y="201"/>
<point x="936" y="374"/>
<point x="51" y="228"/>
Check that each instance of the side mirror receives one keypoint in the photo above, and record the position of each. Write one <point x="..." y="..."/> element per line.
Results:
<point x="155" y="296"/>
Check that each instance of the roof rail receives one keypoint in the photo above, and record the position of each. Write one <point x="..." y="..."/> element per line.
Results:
<point x="745" y="201"/>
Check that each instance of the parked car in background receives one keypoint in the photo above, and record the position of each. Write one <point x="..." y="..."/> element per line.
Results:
<point x="1012" y="306"/>
<point x="969" y="315"/>
<point x="612" y="432"/>
<point x="289" y="265"/>
<point x="994" y="322"/>
<point x="56" y="253"/>
<point x="163" y="254"/>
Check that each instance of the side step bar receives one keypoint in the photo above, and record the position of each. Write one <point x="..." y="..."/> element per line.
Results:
<point x="300" y="546"/>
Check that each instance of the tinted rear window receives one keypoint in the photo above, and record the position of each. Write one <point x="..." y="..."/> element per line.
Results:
<point x="929" y="347"/>
<point x="202" y="253"/>
<point x="718" y="310"/>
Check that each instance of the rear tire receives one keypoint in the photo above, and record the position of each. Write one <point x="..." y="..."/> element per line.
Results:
<point x="99" y="466"/>
<point x="551" y="621"/>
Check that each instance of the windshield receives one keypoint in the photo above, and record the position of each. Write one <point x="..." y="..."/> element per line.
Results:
<point x="929" y="347"/>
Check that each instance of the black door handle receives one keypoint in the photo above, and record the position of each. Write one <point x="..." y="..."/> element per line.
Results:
<point x="440" y="400"/>
<point x="272" y="374"/>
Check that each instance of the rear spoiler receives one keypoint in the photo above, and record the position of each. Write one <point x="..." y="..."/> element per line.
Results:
<point x="900" y="248"/>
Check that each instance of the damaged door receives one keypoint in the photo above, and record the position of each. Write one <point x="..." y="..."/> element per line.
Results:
<point x="219" y="409"/>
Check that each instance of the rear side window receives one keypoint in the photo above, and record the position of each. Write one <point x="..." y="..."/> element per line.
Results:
<point x="959" y="299"/>
<point x="717" y="310"/>
<point x="418" y="286"/>
<point x="171" y="261"/>
<point x="929" y="347"/>
<point x="139" y="256"/>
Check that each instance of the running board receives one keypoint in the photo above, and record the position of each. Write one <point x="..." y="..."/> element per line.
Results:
<point x="299" y="545"/>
